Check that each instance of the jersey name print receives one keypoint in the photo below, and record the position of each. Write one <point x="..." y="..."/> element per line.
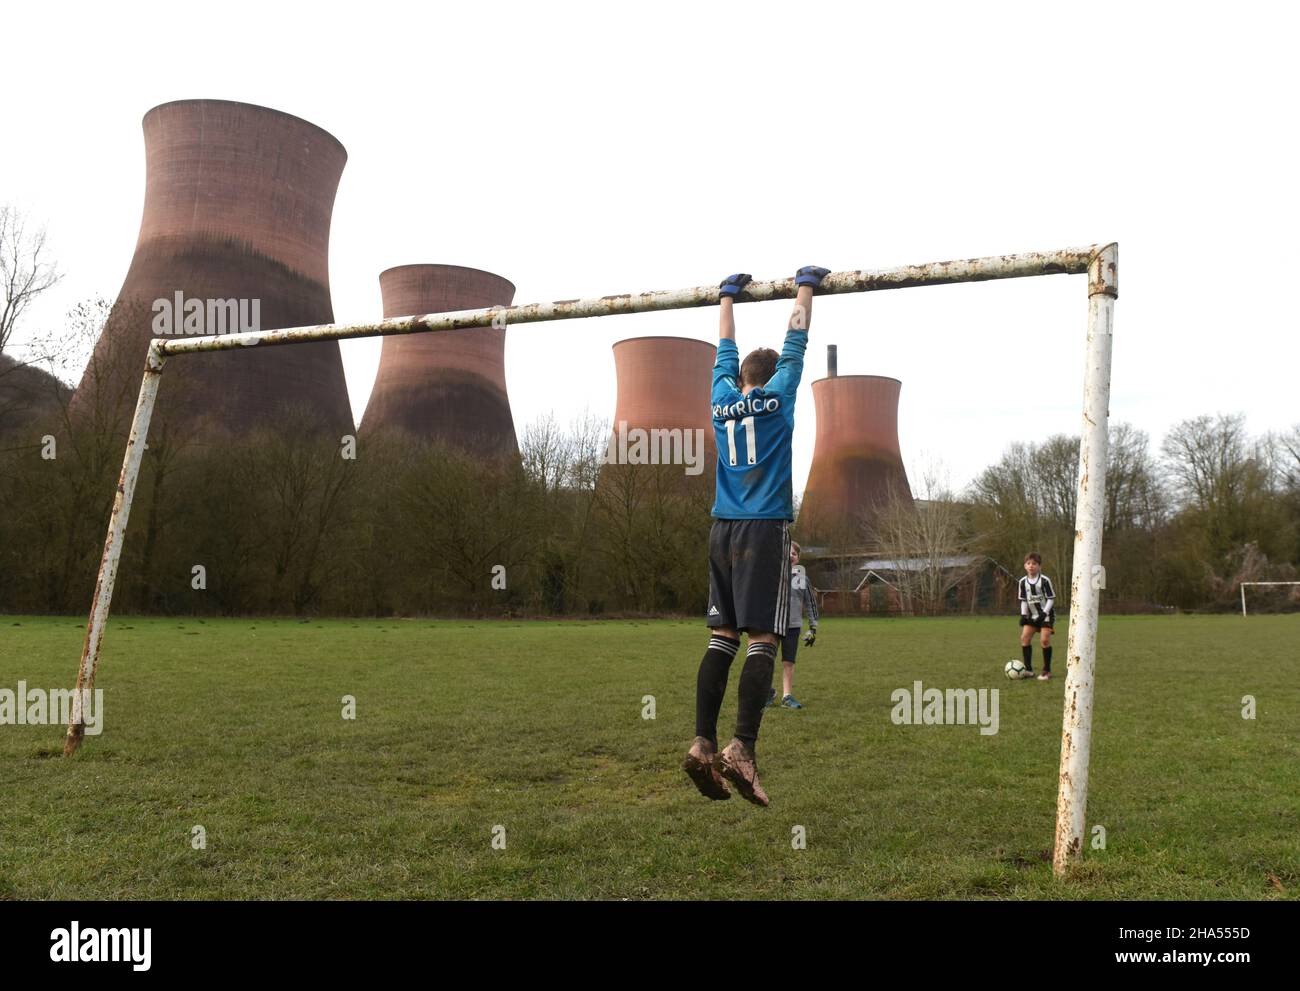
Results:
<point x="754" y="435"/>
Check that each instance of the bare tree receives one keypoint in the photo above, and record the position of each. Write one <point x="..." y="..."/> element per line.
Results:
<point x="1230" y="506"/>
<point x="545" y="452"/>
<point x="924" y="542"/>
<point x="1289" y="457"/>
<point x="1208" y="460"/>
<point x="25" y="273"/>
<point x="1134" y="495"/>
<point x="25" y="269"/>
<point x="849" y="555"/>
<point x="63" y="503"/>
<point x="588" y="436"/>
<point x="1056" y="479"/>
<point x="1028" y="500"/>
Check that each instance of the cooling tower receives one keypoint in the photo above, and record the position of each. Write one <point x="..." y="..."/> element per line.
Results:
<point x="450" y="385"/>
<point x="237" y="207"/>
<point x="662" y="414"/>
<point x="857" y="466"/>
<point x="664" y="383"/>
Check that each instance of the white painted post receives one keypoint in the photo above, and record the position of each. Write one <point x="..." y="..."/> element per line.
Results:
<point x="1068" y="261"/>
<point x="1088" y="578"/>
<point x="135" y="447"/>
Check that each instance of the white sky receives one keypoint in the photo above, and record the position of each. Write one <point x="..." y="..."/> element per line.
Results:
<point x="582" y="150"/>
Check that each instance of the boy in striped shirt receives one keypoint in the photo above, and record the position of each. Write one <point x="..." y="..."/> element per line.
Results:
<point x="1037" y="613"/>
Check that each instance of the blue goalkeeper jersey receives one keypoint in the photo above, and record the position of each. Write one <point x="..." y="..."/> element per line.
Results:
<point x="755" y="435"/>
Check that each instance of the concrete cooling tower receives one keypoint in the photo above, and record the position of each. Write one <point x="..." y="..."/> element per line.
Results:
<point x="664" y="384"/>
<point x="237" y="208"/>
<point x="857" y="466"/>
<point x="450" y="385"/>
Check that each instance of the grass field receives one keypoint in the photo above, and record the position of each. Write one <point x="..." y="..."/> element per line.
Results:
<point x="235" y="725"/>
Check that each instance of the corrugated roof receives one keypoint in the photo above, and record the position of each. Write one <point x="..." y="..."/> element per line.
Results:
<point x="920" y="563"/>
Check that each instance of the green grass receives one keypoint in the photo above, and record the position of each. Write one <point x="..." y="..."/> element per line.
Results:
<point x="235" y="725"/>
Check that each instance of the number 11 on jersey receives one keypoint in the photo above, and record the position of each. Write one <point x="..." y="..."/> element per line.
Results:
<point x="751" y="447"/>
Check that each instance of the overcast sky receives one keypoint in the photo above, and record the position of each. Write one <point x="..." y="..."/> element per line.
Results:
<point x="584" y="150"/>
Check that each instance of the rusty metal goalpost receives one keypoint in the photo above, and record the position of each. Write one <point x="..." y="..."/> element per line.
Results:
<point x="1099" y="262"/>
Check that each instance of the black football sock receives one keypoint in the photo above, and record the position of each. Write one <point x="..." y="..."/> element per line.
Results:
<point x="711" y="685"/>
<point x="755" y="683"/>
<point x="1047" y="659"/>
<point x="1028" y="652"/>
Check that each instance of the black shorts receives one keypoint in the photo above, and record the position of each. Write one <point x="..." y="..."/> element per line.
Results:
<point x="790" y="645"/>
<point x="1048" y="621"/>
<point x="749" y="575"/>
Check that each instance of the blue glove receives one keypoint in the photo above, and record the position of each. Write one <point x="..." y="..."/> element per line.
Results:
<point x="733" y="284"/>
<point x="810" y="275"/>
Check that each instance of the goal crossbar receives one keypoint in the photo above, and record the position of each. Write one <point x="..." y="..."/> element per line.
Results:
<point x="1099" y="262"/>
<point x="1252" y="584"/>
<point x="1069" y="261"/>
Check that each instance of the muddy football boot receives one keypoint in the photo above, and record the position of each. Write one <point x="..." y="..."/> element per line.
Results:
<point x="698" y="765"/>
<point x="741" y="769"/>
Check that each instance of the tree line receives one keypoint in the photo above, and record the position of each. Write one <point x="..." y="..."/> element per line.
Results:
<point x="1185" y="523"/>
<point x="287" y="521"/>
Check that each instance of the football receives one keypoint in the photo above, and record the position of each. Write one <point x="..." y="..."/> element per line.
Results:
<point x="1015" y="669"/>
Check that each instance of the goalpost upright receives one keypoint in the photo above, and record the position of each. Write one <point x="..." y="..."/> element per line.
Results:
<point x="1099" y="262"/>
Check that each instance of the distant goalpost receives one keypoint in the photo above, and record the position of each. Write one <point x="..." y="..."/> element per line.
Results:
<point x="1100" y="262"/>
<point x="1243" y="590"/>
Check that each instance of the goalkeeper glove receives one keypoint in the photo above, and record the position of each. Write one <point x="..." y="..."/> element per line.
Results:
<point x="810" y="637"/>
<point x="811" y="275"/>
<point x="733" y="284"/>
